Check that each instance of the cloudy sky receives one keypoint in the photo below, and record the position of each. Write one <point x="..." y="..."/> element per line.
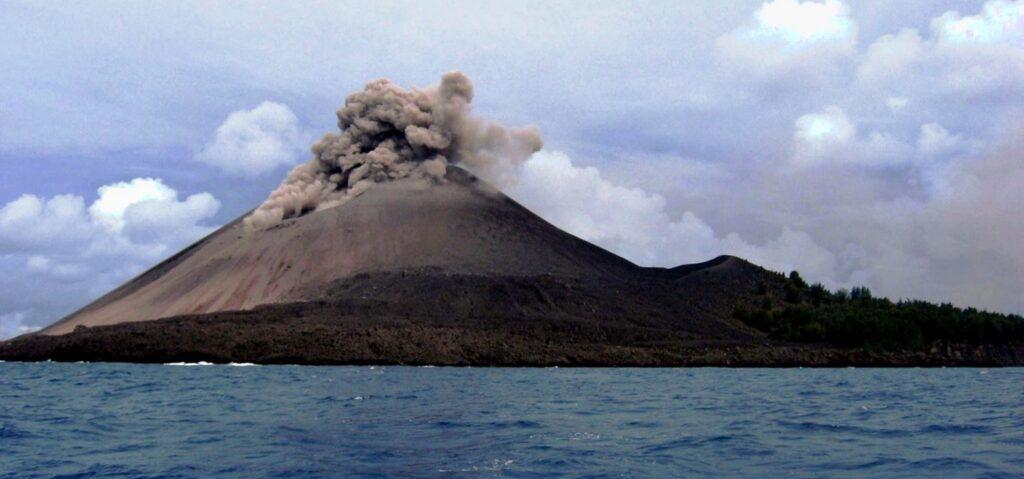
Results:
<point x="871" y="142"/>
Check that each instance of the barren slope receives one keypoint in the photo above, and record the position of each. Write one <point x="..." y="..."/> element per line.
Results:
<point x="462" y="226"/>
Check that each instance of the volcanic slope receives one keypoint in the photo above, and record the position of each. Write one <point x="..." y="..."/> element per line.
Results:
<point x="415" y="257"/>
<point x="461" y="226"/>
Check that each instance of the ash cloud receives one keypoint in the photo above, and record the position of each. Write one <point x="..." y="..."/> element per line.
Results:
<point x="388" y="133"/>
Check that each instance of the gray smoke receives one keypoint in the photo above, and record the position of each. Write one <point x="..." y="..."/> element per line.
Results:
<point x="389" y="133"/>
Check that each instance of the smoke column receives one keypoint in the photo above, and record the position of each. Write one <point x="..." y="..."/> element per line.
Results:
<point x="388" y="133"/>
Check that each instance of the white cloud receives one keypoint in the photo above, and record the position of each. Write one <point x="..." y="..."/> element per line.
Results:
<point x="38" y="263"/>
<point x="823" y="136"/>
<point x="64" y="272"/>
<point x="959" y="243"/>
<point x="896" y="103"/>
<point x="13" y="324"/>
<point x="114" y="200"/>
<point x="635" y="224"/>
<point x="257" y="141"/>
<point x="31" y="221"/>
<point x="1000" y="21"/>
<point x="155" y="220"/>
<point x="946" y="246"/>
<point x="139" y="217"/>
<point x="830" y="137"/>
<point x="939" y="230"/>
<point x="828" y="126"/>
<point x="890" y="54"/>
<point x="792" y="250"/>
<point x="791" y="36"/>
<point x="58" y="244"/>
<point x="796" y="22"/>
<point x="629" y="221"/>
<point x="935" y="141"/>
<point x="974" y="56"/>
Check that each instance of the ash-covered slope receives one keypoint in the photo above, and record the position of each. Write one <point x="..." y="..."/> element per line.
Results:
<point x="459" y="226"/>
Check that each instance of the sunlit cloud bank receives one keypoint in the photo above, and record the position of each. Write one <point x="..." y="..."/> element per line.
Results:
<point x="57" y="251"/>
<point x="257" y="141"/>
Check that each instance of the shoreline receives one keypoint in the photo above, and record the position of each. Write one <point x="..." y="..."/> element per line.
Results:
<point x="345" y="333"/>
<point x="79" y="347"/>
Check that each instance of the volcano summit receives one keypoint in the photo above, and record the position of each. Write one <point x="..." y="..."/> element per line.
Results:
<point x="387" y="247"/>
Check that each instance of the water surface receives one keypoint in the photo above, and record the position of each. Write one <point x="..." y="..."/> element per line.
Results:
<point x="107" y="420"/>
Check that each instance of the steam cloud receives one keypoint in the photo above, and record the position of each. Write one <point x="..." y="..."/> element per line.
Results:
<point x="388" y="133"/>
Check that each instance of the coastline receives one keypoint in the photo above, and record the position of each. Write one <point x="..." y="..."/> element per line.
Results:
<point x="238" y="338"/>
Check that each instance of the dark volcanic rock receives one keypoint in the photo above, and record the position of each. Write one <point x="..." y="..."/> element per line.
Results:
<point x="322" y="333"/>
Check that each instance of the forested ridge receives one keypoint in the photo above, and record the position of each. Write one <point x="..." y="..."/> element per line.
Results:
<point x="857" y="319"/>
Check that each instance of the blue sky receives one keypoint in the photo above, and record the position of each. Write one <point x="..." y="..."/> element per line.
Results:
<point x="861" y="142"/>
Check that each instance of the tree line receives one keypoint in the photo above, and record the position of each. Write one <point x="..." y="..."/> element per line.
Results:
<point x="856" y="319"/>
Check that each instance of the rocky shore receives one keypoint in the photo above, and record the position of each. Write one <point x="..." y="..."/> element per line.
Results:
<point x="308" y="337"/>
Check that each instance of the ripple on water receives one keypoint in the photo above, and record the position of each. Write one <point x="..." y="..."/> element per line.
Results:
<point x="285" y="421"/>
<point x="956" y="429"/>
<point x="10" y="432"/>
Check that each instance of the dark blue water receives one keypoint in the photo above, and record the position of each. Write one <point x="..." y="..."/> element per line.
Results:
<point x="103" y="420"/>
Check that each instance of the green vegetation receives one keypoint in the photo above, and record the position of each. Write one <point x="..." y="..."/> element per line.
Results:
<point x="856" y="319"/>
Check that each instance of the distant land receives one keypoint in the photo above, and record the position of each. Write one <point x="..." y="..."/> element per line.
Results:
<point x="456" y="273"/>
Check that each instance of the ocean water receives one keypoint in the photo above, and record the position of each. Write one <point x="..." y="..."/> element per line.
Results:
<point x="108" y="420"/>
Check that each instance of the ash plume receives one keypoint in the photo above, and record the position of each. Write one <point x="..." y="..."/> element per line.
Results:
<point x="388" y="133"/>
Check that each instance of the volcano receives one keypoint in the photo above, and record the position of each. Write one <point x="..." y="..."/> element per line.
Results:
<point x="411" y="227"/>
<point x="412" y="271"/>
<point x="384" y="248"/>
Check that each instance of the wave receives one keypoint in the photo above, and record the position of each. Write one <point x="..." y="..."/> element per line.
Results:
<point x="205" y="363"/>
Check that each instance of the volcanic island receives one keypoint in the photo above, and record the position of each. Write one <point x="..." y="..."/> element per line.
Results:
<point x="388" y="247"/>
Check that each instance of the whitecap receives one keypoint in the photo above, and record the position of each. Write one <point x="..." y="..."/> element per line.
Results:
<point x="240" y="365"/>
<point x="200" y="363"/>
<point x="495" y="465"/>
<point x="584" y="436"/>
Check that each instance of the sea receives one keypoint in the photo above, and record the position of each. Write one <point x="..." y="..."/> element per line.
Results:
<point x="67" y="420"/>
